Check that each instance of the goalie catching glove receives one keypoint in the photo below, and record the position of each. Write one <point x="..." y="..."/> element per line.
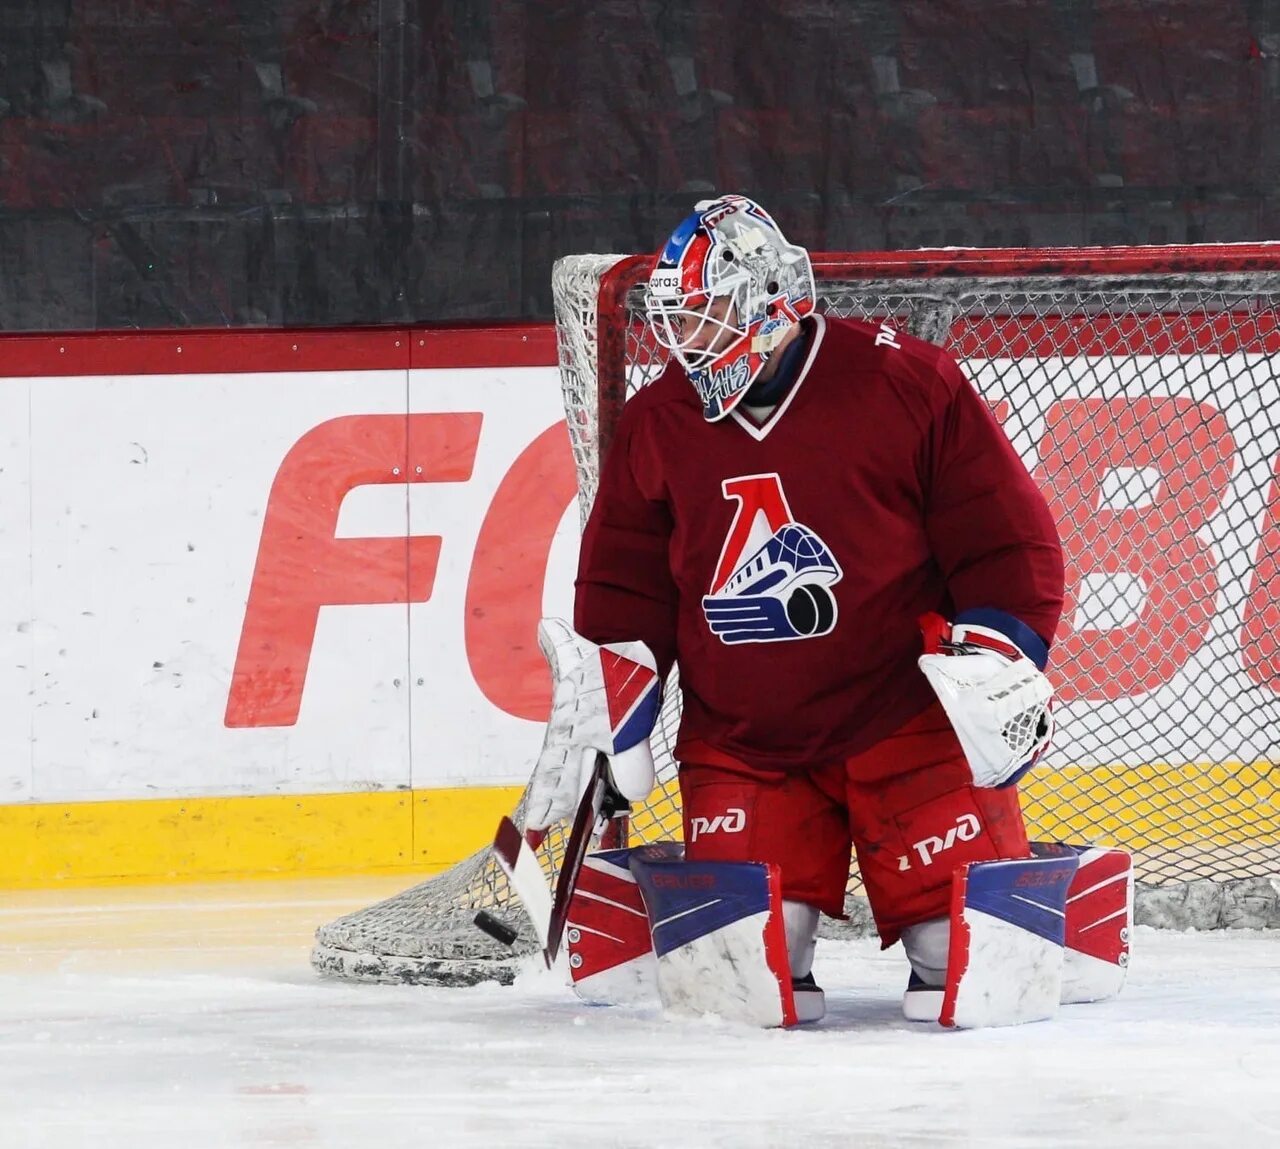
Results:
<point x="996" y="697"/>
<point x="605" y="699"/>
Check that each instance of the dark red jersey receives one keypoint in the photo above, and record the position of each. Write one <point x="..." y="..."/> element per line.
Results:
<point x="785" y="565"/>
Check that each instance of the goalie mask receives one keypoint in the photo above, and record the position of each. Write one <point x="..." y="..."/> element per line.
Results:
<point x="725" y="290"/>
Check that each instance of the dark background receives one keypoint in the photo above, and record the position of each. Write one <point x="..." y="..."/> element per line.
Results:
<point x="224" y="162"/>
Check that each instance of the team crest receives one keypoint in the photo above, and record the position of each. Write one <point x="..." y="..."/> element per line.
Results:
<point x="773" y="580"/>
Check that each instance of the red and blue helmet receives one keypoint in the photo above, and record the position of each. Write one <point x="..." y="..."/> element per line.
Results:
<point x="724" y="291"/>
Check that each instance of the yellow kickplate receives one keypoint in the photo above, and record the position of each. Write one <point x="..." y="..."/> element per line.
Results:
<point x="43" y="844"/>
<point x="1156" y="806"/>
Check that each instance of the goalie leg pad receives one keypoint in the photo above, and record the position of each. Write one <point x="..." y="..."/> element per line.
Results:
<point x="1005" y="961"/>
<point x="720" y="939"/>
<point x="1099" y="921"/>
<point x="611" y="959"/>
<point x="1097" y="928"/>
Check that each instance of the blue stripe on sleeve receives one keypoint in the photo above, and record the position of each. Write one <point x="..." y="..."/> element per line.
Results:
<point x="1014" y="629"/>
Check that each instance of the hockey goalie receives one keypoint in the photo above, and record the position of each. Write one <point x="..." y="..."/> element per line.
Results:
<point x="822" y="523"/>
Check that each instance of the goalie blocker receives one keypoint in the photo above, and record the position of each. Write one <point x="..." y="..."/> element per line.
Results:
<point x="1025" y="936"/>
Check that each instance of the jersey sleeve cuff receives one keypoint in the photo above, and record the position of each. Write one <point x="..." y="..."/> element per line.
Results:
<point x="1014" y="629"/>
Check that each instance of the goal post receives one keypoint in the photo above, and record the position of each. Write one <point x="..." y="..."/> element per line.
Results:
<point x="1141" y="387"/>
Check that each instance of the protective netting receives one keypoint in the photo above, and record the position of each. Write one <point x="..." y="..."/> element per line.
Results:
<point x="1141" y="392"/>
<point x="1139" y="389"/>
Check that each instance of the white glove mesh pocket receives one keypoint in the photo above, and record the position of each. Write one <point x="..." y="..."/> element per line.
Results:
<point x="999" y="709"/>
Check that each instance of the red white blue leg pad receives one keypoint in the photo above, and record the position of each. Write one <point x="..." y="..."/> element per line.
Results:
<point x="720" y="939"/>
<point x="611" y="958"/>
<point x="1023" y="937"/>
<point x="700" y="937"/>
<point x="1008" y="926"/>
<point x="1099" y="921"/>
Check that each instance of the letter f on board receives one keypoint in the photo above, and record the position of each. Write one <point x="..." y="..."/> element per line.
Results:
<point x="302" y="565"/>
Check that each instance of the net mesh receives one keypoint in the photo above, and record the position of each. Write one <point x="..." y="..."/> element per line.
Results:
<point x="1144" y="401"/>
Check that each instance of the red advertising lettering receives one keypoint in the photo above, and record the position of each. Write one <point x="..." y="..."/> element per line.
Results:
<point x="303" y="566"/>
<point x="508" y="573"/>
<point x="1260" y="633"/>
<point x="1191" y="448"/>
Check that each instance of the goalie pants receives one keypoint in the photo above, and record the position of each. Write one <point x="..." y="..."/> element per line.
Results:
<point x="907" y="806"/>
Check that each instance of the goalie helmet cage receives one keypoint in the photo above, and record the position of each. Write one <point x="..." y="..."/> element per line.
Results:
<point x="1142" y="388"/>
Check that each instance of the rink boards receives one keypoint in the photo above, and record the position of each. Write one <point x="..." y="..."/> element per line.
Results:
<point x="269" y="600"/>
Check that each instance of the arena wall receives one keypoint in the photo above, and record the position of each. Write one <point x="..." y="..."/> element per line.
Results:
<point x="269" y="599"/>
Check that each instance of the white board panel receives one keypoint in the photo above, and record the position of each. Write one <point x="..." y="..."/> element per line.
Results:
<point x="16" y="637"/>
<point x="148" y="496"/>
<point x="511" y="542"/>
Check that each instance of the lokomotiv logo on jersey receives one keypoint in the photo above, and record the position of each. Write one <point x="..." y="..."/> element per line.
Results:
<point x="773" y="580"/>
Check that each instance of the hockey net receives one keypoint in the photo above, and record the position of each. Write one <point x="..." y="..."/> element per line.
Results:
<point x="1142" y="390"/>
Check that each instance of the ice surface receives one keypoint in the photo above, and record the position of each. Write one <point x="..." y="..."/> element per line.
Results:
<point x="188" y="1017"/>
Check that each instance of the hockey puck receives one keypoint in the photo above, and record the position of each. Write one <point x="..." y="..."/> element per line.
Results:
<point x="498" y="930"/>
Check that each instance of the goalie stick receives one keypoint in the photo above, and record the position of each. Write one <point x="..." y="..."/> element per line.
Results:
<point x="516" y="855"/>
